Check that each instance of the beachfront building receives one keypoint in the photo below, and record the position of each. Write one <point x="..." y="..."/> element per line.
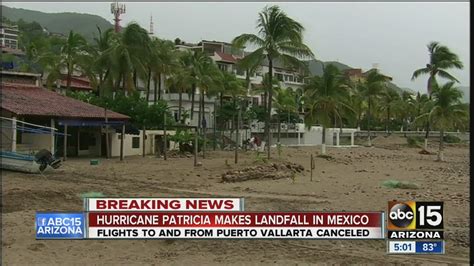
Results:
<point x="82" y="122"/>
<point x="9" y="36"/>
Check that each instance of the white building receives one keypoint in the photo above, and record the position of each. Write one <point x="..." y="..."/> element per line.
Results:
<point x="9" y="36"/>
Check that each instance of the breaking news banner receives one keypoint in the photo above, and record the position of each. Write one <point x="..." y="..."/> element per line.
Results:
<point x="163" y="204"/>
<point x="55" y="225"/>
<point x="236" y="225"/>
<point x="201" y="218"/>
<point x="415" y="220"/>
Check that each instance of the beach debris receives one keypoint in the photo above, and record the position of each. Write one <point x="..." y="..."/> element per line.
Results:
<point x="267" y="171"/>
<point x="425" y="152"/>
<point x="400" y="184"/>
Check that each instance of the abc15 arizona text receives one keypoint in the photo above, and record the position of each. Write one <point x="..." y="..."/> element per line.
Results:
<point x="415" y="220"/>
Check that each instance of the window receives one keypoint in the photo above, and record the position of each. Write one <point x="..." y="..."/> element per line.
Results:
<point x="135" y="142"/>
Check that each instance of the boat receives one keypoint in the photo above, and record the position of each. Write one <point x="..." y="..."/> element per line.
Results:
<point x="41" y="161"/>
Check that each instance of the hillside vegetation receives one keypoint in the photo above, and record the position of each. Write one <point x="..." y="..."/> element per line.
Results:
<point x="84" y="24"/>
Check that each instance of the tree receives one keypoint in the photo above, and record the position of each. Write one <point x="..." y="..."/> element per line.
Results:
<point x="163" y="61"/>
<point x="279" y="38"/>
<point x="372" y="87"/>
<point x="66" y="59"/>
<point x="179" y="81"/>
<point x="441" y="59"/>
<point x="389" y="100"/>
<point x="447" y="111"/>
<point x="128" y="55"/>
<point x="285" y="104"/>
<point x="325" y="99"/>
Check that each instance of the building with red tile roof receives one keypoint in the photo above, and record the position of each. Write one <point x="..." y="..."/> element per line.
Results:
<point x="26" y="100"/>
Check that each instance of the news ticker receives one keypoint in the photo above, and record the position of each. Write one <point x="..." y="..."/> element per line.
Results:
<point x="225" y="218"/>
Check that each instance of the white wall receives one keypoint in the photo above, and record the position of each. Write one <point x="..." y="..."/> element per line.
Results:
<point x="128" y="150"/>
<point x="313" y="136"/>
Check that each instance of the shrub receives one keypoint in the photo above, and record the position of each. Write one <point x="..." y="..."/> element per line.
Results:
<point x="451" y="139"/>
<point x="413" y="142"/>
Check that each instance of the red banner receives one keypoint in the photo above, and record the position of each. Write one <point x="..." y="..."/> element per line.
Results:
<point x="235" y="219"/>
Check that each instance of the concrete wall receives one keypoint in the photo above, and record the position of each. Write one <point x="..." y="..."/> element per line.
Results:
<point x="313" y="136"/>
<point x="128" y="149"/>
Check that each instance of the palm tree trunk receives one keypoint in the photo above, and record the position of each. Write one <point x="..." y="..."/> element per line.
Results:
<point x="323" y="141"/>
<point x="368" y="122"/>
<point x="148" y="86"/>
<point x="431" y="82"/>
<point x="193" y="93"/>
<point x="441" y="145"/>
<point x="180" y="104"/>
<point x="199" y="111"/>
<point x="68" y="81"/>
<point x="388" y="119"/>
<point x="279" y="130"/>
<point x="159" y="87"/>
<point x="427" y="134"/>
<point x="155" y="89"/>
<point x="135" y="78"/>
<point x="124" y="81"/>
<point x="269" y="103"/>
<point x="102" y="81"/>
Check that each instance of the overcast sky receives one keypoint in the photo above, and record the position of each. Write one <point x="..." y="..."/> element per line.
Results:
<point x="393" y="35"/>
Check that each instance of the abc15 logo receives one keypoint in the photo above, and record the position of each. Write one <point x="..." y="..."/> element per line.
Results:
<point x="412" y="215"/>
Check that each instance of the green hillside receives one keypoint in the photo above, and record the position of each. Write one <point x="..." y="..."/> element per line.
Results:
<point x="85" y="24"/>
<point x="316" y="68"/>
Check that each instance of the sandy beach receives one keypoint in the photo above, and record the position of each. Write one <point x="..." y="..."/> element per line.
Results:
<point x="352" y="180"/>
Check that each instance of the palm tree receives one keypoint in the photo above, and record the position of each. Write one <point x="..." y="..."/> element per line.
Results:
<point x="279" y="38"/>
<point x="285" y="104"/>
<point x="193" y="61"/>
<point x="179" y="80"/>
<point x="70" y="53"/>
<point x="420" y="104"/>
<point x="325" y="98"/>
<point x="389" y="100"/>
<point x="94" y="64"/>
<point x="128" y="55"/>
<point x="67" y="58"/>
<point x="441" y="59"/>
<point x="371" y="88"/>
<point x="163" y="61"/>
<point x="447" y="111"/>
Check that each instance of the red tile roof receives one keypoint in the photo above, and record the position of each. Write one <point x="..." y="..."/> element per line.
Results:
<point x="227" y="57"/>
<point x="80" y="83"/>
<point x="32" y="100"/>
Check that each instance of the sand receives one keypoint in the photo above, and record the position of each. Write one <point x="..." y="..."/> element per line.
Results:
<point x="351" y="181"/>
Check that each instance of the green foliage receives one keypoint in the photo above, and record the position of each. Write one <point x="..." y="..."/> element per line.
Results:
<point x="415" y="141"/>
<point x="185" y="139"/>
<point x="400" y="184"/>
<point x="140" y="112"/>
<point x="62" y="23"/>
<point x="279" y="149"/>
<point x="451" y="139"/>
<point x="256" y="112"/>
